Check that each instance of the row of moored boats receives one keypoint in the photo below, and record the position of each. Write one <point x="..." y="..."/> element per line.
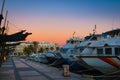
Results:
<point x="96" y="52"/>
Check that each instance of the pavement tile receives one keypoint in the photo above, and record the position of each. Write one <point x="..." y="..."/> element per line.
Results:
<point x="34" y="78"/>
<point x="28" y="73"/>
<point x="19" y="65"/>
<point x="25" y="69"/>
<point x="8" y="66"/>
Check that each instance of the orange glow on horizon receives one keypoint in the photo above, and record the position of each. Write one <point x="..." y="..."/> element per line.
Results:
<point x="57" y="29"/>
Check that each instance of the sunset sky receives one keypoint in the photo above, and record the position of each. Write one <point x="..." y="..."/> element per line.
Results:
<point x="56" y="20"/>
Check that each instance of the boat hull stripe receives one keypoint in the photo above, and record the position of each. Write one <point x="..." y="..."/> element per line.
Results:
<point x="110" y="61"/>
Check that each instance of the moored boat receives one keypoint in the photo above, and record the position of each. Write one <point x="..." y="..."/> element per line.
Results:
<point x="104" y="54"/>
<point x="69" y="51"/>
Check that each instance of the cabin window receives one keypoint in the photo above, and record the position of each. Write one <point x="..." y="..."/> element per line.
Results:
<point x="64" y="50"/>
<point x="71" y="51"/>
<point x="117" y="51"/>
<point x="99" y="51"/>
<point x="72" y="42"/>
<point x="81" y="49"/>
<point x="108" y="51"/>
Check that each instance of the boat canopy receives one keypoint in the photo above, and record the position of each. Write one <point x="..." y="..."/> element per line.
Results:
<point x="113" y="32"/>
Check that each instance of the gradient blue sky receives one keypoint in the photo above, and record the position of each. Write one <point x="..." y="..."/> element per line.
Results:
<point x="56" y="20"/>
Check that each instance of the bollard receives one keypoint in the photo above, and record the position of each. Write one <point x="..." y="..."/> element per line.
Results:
<point x="66" y="72"/>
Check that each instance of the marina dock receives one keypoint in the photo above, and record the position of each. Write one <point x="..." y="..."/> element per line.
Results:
<point x="16" y="68"/>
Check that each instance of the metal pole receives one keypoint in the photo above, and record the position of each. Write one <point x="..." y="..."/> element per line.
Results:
<point x="1" y="47"/>
<point x="3" y="28"/>
<point x="1" y="16"/>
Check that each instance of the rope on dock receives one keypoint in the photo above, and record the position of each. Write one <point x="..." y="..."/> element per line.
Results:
<point x="108" y="76"/>
<point x="113" y="73"/>
<point x="101" y="76"/>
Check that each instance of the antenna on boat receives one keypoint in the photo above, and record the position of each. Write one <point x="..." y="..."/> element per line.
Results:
<point x="73" y="34"/>
<point x="7" y="28"/>
<point x="1" y="16"/>
<point x="94" y="30"/>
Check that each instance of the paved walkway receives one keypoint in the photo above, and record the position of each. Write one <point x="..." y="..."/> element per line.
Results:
<point x="16" y="68"/>
<point x="7" y="71"/>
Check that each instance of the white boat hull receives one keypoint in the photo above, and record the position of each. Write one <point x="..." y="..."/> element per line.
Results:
<point x="104" y="64"/>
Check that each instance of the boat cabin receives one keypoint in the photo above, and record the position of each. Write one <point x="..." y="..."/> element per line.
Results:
<point x="111" y="45"/>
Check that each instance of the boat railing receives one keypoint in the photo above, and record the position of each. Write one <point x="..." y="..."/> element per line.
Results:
<point x="99" y="55"/>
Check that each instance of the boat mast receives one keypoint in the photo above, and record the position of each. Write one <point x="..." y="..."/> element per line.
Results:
<point x="5" y="18"/>
<point x="3" y="28"/>
<point x="1" y="14"/>
<point x="94" y="30"/>
<point x="7" y="28"/>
